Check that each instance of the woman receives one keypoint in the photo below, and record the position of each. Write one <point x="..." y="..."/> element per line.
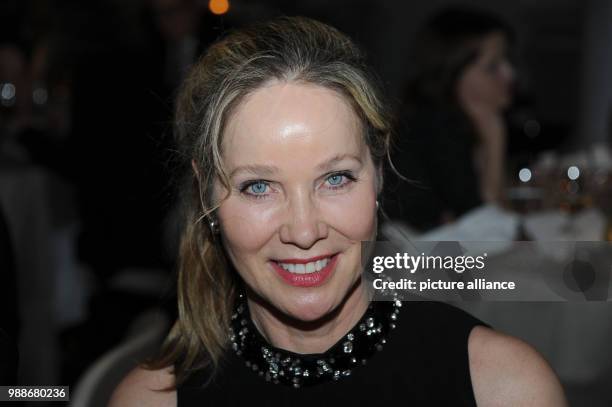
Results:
<point x="285" y="134"/>
<point x="455" y="141"/>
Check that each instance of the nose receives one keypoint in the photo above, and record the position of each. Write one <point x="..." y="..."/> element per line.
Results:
<point x="303" y="225"/>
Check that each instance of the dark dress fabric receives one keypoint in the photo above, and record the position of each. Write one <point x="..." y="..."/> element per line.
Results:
<point x="434" y="150"/>
<point x="424" y="363"/>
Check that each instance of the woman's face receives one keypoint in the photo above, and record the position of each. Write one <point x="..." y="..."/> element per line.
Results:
<point x="303" y="197"/>
<point x="487" y="82"/>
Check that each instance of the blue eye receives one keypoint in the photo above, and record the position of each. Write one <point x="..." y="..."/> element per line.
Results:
<point x="258" y="188"/>
<point x="340" y="180"/>
<point x="335" y="179"/>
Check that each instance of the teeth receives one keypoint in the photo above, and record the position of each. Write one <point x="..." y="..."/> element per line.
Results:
<point x="305" y="268"/>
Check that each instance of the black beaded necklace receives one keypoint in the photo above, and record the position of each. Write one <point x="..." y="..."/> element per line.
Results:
<point x="294" y="369"/>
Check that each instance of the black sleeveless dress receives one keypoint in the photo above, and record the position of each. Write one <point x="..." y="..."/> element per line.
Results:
<point x="424" y="362"/>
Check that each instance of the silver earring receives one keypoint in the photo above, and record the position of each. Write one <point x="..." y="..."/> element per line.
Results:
<point x="214" y="226"/>
<point x="377" y="205"/>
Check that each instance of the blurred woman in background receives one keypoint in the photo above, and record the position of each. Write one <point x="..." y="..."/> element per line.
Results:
<point x="455" y="140"/>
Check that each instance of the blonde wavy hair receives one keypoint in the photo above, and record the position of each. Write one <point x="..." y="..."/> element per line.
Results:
<point x="292" y="49"/>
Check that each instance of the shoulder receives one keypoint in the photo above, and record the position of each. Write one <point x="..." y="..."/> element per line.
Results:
<point x="143" y="387"/>
<point x="506" y="371"/>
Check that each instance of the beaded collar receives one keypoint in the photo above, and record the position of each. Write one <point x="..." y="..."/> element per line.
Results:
<point x="297" y="370"/>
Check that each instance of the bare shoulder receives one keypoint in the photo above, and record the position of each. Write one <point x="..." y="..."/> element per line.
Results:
<point x="143" y="387"/>
<point x="508" y="372"/>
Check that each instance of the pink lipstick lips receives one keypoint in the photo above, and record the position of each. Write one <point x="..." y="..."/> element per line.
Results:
<point x="310" y="272"/>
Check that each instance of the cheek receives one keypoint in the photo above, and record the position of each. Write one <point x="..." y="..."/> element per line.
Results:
<point x="355" y="216"/>
<point x="503" y="85"/>
<point x="493" y="85"/>
<point x="246" y="228"/>
<point x="477" y="86"/>
<point x="483" y="87"/>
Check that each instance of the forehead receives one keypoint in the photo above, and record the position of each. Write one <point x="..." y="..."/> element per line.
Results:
<point x="284" y="118"/>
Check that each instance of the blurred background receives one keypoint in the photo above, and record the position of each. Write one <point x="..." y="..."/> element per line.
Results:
<point x="88" y="215"/>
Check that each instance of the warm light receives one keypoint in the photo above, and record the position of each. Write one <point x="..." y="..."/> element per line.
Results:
<point x="218" y="6"/>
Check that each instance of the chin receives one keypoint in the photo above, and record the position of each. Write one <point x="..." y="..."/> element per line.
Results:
<point x="311" y="306"/>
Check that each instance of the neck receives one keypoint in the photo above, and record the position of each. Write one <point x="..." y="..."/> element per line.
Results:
<point x="306" y="337"/>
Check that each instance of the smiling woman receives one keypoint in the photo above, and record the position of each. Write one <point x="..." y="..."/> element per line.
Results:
<point x="309" y="183"/>
<point x="283" y="134"/>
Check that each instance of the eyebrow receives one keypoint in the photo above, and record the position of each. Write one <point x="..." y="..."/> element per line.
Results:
<point x="257" y="169"/>
<point x="328" y="164"/>
<point x="268" y="170"/>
